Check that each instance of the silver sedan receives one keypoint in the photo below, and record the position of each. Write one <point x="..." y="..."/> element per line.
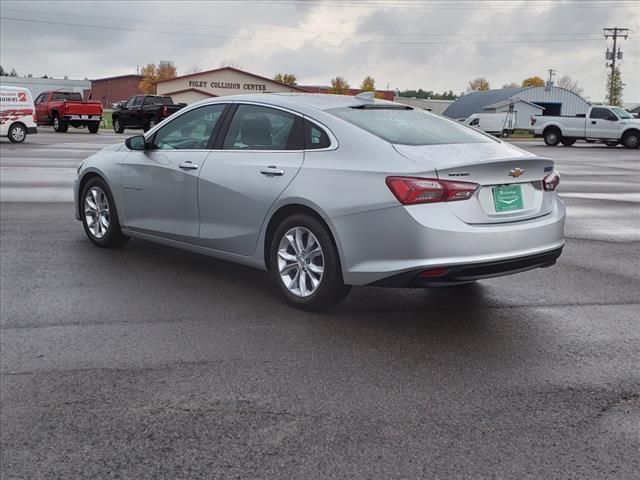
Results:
<point x="327" y="191"/>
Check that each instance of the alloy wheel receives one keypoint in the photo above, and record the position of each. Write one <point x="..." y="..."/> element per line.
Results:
<point x="300" y="262"/>
<point x="18" y="134"/>
<point x="96" y="212"/>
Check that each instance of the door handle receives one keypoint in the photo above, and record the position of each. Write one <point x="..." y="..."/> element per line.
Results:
<point x="272" y="171"/>
<point x="593" y="122"/>
<point x="188" y="165"/>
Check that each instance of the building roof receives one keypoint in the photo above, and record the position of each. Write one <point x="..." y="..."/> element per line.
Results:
<point x="208" y="94"/>
<point x="476" y="101"/>
<point x="117" y="77"/>
<point x="294" y="87"/>
<point x="509" y="101"/>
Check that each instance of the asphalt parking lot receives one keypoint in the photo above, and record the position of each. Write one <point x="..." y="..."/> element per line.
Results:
<point x="149" y="362"/>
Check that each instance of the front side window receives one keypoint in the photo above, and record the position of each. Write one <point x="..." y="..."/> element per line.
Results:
<point x="262" y="128"/>
<point x="40" y="98"/>
<point x="131" y="102"/>
<point x="475" y="121"/>
<point x="405" y="126"/>
<point x="602" y="113"/>
<point x="189" y="131"/>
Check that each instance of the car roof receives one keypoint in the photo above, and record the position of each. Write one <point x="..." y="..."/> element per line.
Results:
<point x="318" y="101"/>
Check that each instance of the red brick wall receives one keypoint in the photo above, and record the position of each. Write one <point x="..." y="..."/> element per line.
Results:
<point x="112" y="90"/>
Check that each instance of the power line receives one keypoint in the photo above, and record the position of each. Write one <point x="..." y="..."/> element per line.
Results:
<point x="279" y="41"/>
<point x="304" y="30"/>
<point x="440" y="6"/>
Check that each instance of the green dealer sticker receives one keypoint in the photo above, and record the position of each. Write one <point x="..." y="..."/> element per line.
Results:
<point x="508" y="198"/>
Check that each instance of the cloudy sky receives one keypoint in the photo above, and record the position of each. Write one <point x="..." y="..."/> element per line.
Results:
<point x="430" y="44"/>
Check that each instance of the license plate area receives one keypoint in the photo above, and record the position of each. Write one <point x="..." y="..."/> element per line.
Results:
<point x="507" y="198"/>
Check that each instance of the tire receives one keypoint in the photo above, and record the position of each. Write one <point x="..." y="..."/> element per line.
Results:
<point x="117" y="126"/>
<point x="153" y="121"/>
<point x="552" y="137"/>
<point x="611" y="144"/>
<point x="106" y="232"/>
<point x="323" y="265"/>
<point x="17" y="133"/>
<point x="59" y="126"/>
<point x="631" y="139"/>
<point x="93" y="127"/>
<point x="568" y="142"/>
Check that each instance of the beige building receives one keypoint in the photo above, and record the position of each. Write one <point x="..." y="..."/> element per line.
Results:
<point x="217" y="83"/>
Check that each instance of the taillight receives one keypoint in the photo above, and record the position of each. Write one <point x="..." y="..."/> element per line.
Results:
<point x="412" y="190"/>
<point x="551" y="181"/>
<point x="164" y="111"/>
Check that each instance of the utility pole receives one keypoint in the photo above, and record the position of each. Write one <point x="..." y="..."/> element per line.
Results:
<point x="614" y="33"/>
<point x="552" y="72"/>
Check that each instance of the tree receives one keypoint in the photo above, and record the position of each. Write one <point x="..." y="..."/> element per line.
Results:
<point x="339" y="86"/>
<point x="534" y="81"/>
<point x="478" y="84"/>
<point x="570" y="84"/>
<point x="286" y="78"/>
<point x="2" y="72"/>
<point x="511" y="85"/>
<point x="13" y="73"/>
<point x="427" y="94"/>
<point x="152" y="75"/>
<point x="614" y="95"/>
<point x="368" y="84"/>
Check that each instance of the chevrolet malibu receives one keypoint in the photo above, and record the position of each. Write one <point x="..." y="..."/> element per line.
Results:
<point x="326" y="192"/>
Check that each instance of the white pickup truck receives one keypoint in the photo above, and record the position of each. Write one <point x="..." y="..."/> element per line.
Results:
<point x="611" y="125"/>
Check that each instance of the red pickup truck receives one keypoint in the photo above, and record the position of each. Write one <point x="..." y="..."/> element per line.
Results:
<point x="62" y="109"/>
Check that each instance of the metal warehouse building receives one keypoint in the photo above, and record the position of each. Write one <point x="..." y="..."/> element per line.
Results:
<point x="524" y="102"/>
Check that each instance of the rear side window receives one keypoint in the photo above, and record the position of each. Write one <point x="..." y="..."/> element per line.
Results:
<point x="315" y="136"/>
<point x="254" y="127"/>
<point x="410" y="127"/>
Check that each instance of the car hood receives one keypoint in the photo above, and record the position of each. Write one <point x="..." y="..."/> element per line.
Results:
<point x="113" y="148"/>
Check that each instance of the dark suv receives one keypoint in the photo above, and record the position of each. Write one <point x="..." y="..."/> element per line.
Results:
<point x="143" y="111"/>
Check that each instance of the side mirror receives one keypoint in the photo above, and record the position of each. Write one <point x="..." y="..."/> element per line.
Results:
<point x="136" y="143"/>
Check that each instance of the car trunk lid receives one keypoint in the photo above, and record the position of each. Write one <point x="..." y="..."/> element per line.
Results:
<point x="510" y="179"/>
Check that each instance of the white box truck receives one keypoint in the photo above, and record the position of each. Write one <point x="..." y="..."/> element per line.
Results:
<point x="16" y="113"/>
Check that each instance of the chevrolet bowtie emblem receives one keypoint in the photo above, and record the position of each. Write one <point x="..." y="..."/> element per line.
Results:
<point x="516" y="172"/>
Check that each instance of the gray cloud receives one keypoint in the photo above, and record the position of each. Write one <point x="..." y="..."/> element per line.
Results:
<point x="262" y="37"/>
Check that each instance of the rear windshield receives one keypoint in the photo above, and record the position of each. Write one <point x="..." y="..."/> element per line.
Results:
<point x="69" y="96"/>
<point x="167" y="101"/>
<point x="410" y="127"/>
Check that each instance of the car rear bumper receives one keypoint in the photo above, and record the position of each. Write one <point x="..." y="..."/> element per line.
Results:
<point x="379" y="245"/>
<point x="83" y="118"/>
<point x="468" y="273"/>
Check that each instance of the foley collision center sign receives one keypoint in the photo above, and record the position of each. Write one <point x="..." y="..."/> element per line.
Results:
<point x="252" y="87"/>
